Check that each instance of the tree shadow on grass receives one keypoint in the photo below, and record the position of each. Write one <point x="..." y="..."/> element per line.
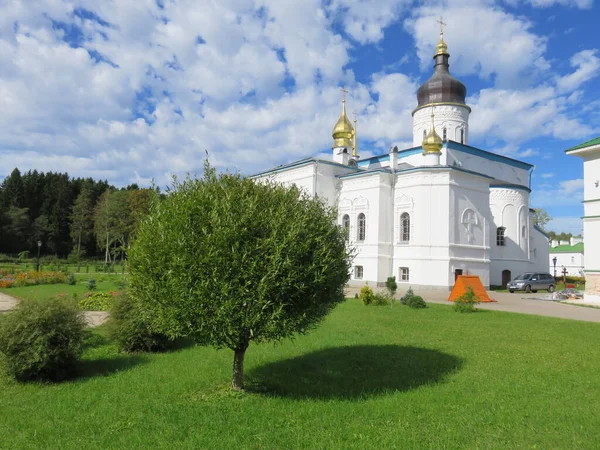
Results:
<point x="105" y="366"/>
<point x="354" y="372"/>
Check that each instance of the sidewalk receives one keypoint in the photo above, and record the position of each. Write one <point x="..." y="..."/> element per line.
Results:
<point x="537" y="304"/>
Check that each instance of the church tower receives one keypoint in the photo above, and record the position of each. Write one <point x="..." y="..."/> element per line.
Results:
<point x="448" y="95"/>
<point x="344" y="138"/>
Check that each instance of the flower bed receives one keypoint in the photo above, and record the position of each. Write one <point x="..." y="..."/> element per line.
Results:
<point x="32" y="278"/>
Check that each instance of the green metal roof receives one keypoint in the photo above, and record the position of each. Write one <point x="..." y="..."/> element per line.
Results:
<point x="589" y="143"/>
<point x="577" y="248"/>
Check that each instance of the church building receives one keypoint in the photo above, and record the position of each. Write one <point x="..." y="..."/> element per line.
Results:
<point x="428" y="213"/>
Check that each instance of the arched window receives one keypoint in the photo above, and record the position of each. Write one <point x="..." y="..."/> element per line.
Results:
<point x="445" y="134"/>
<point x="346" y="225"/>
<point x="500" y="241"/>
<point x="462" y="135"/>
<point x="523" y="231"/>
<point x="424" y="133"/>
<point x="361" y="226"/>
<point x="404" y="227"/>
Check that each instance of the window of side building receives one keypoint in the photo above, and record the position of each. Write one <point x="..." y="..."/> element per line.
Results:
<point x="404" y="274"/>
<point x="358" y="272"/>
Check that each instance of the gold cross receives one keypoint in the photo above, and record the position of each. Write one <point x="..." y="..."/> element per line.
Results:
<point x="344" y="92"/>
<point x="442" y="25"/>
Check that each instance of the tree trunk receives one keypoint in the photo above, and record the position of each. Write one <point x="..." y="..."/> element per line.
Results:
<point x="238" y="369"/>
<point x="107" y="250"/>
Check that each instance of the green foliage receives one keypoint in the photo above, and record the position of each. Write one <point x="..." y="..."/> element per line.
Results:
<point x="42" y="340"/>
<point x="366" y="295"/>
<point x="416" y="302"/>
<point x="91" y="284"/>
<point x="406" y="296"/>
<point x="466" y="302"/>
<point x="227" y="261"/>
<point x="381" y="299"/>
<point x="541" y="218"/>
<point x="71" y="280"/>
<point x="129" y="326"/>
<point x="391" y="285"/>
<point x="98" y="301"/>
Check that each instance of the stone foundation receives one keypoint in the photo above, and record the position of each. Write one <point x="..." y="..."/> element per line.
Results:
<point x="592" y="287"/>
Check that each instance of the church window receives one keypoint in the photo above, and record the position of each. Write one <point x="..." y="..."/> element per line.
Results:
<point x="500" y="240"/>
<point x="346" y="225"/>
<point x="445" y="134"/>
<point x="424" y="133"/>
<point x="361" y="227"/>
<point x="358" y="272"/>
<point x="405" y="227"/>
<point x="404" y="274"/>
<point x="462" y="135"/>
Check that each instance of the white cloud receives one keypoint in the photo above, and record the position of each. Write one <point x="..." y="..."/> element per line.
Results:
<point x="567" y="193"/>
<point x="583" y="4"/>
<point x="587" y="66"/>
<point x="505" y="47"/>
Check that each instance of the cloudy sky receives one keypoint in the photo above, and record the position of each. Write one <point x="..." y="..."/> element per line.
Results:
<point x="135" y="90"/>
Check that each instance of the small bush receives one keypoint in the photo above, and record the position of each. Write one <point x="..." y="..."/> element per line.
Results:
<point x="416" y="302"/>
<point x="71" y="281"/>
<point x="366" y="295"/>
<point x="42" y="340"/>
<point x="466" y="302"/>
<point x="98" y="301"/>
<point x="91" y="284"/>
<point x="130" y="328"/>
<point x="405" y="297"/>
<point x="381" y="299"/>
<point x="391" y="286"/>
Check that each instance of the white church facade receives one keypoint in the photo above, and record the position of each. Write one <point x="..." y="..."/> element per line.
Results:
<point x="428" y="213"/>
<point x="590" y="153"/>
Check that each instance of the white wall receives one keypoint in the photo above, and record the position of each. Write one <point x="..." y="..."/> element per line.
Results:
<point x="573" y="262"/>
<point x="452" y="117"/>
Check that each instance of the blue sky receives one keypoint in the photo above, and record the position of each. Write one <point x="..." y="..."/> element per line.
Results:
<point x="135" y="90"/>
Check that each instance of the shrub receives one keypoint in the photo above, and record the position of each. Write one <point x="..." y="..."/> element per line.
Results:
<point x="366" y="295"/>
<point x="405" y="297"/>
<point x="91" y="284"/>
<point x="71" y="279"/>
<point x="98" y="301"/>
<point x="130" y="328"/>
<point x="391" y="285"/>
<point x="42" y="340"/>
<point x="466" y="302"/>
<point x="381" y="299"/>
<point x="416" y="302"/>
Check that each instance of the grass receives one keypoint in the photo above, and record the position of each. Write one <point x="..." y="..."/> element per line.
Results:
<point x="63" y="266"/>
<point x="104" y="282"/>
<point x="369" y="377"/>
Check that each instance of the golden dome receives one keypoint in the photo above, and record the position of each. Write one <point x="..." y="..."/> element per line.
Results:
<point x="432" y="143"/>
<point x="441" y="47"/>
<point x="343" y="132"/>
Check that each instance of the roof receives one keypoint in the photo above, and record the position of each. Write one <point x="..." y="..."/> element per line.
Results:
<point x="301" y="163"/>
<point x="590" y="143"/>
<point x="577" y="248"/>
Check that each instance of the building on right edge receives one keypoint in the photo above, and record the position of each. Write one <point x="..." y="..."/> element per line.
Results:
<point x="590" y="152"/>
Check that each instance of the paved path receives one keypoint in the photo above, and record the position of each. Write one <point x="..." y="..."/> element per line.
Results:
<point x="539" y="304"/>
<point x="92" y="318"/>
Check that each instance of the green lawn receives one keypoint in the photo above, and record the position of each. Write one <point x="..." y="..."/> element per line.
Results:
<point x="104" y="283"/>
<point x="369" y="377"/>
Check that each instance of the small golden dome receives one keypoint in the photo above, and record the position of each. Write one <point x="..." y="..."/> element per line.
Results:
<point x="343" y="132"/>
<point x="441" y="47"/>
<point x="432" y="143"/>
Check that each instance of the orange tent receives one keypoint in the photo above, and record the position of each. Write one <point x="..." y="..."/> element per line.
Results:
<point x="465" y="281"/>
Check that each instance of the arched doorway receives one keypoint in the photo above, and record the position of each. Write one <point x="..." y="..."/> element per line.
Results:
<point x="506" y="277"/>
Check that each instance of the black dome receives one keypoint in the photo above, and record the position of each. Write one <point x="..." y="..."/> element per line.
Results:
<point x="441" y="87"/>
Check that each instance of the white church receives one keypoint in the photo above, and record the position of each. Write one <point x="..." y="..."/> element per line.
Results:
<point x="428" y="213"/>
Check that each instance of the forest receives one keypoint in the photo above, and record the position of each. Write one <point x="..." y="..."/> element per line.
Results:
<point x="70" y="217"/>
